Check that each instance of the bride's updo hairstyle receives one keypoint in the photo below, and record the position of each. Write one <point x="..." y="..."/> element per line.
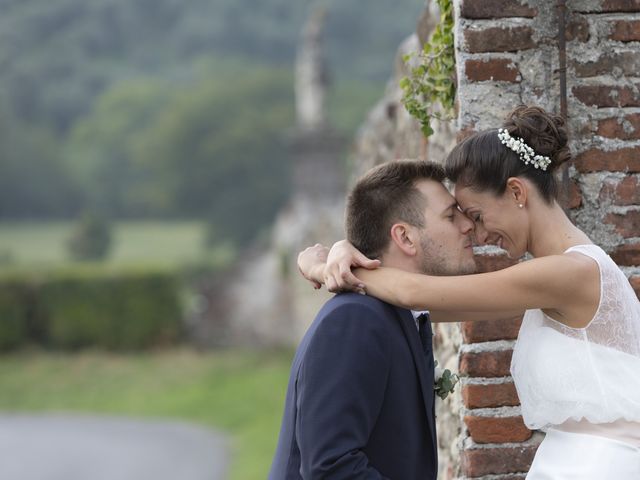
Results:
<point x="483" y="163"/>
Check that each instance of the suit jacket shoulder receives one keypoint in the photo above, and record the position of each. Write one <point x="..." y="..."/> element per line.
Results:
<point x="353" y="302"/>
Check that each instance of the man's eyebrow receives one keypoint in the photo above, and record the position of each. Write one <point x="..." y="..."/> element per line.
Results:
<point x="453" y="204"/>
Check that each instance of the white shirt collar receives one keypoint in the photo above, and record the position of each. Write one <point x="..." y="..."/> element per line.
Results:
<point x="416" y="314"/>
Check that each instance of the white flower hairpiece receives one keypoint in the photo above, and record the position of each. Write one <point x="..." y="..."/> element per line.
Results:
<point x="524" y="151"/>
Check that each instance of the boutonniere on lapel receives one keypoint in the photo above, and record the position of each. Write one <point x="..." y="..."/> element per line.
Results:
<point x="444" y="381"/>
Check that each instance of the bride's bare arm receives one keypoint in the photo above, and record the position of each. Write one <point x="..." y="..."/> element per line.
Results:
<point x="472" y="316"/>
<point x="547" y="282"/>
<point x="317" y="265"/>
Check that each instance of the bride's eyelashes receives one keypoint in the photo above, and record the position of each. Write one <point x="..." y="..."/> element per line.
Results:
<point x="476" y="217"/>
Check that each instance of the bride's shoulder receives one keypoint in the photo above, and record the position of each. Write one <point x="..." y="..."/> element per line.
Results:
<point x="571" y="262"/>
<point x="568" y="273"/>
<point x="583" y="259"/>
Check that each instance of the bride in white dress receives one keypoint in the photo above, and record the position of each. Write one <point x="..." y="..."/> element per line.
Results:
<point x="576" y="363"/>
<point x="582" y="385"/>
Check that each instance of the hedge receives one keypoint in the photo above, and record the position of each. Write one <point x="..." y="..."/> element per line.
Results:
<point x="90" y="307"/>
<point x="14" y="313"/>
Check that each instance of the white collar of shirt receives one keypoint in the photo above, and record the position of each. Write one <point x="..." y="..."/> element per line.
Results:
<point x="416" y="314"/>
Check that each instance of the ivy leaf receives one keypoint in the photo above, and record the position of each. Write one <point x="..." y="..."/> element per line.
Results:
<point x="432" y="82"/>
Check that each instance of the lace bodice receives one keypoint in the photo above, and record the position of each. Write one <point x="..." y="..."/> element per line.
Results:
<point x="590" y="373"/>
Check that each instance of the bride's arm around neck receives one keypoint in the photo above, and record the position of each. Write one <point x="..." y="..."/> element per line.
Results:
<point x="567" y="286"/>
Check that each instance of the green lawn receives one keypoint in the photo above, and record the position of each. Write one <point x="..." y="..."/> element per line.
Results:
<point x="240" y="392"/>
<point x="38" y="244"/>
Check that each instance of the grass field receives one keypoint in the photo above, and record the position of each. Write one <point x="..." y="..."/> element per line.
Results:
<point x="43" y="244"/>
<point x="239" y="392"/>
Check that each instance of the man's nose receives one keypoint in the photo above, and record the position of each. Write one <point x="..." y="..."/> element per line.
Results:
<point x="466" y="225"/>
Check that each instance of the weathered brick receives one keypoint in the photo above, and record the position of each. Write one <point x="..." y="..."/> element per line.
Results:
<point x="495" y="9"/>
<point x="621" y="6"/>
<point x="625" y="31"/>
<point x="624" y="63"/>
<point x="608" y="95"/>
<point x="498" y="39"/>
<point x="491" y="330"/>
<point x="578" y="29"/>
<point x="625" y="128"/>
<point x="628" y="254"/>
<point x="627" y="224"/>
<point x="624" y="192"/>
<point x="635" y="283"/>
<point x="491" y="263"/>
<point x="596" y="160"/>
<point x="497" y="429"/>
<point x="490" y="395"/>
<point x="486" y="461"/>
<point x="494" y="69"/>
<point x="628" y="191"/>
<point x="609" y="6"/>
<point x="486" y="364"/>
<point x="575" y="195"/>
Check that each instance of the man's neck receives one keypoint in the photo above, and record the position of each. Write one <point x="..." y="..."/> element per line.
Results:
<point x="399" y="261"/>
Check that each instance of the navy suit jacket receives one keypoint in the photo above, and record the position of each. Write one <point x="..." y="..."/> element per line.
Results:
<point x="360" y="400"/>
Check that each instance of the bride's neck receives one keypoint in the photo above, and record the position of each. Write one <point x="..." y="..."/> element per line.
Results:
<point x="551" y="231"/>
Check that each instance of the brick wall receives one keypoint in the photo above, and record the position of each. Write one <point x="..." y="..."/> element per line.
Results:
<point x="507" y="54"/>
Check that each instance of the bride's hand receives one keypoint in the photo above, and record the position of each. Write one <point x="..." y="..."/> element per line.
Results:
<point x="342" y="258"/>
<point x="311" y="263"/>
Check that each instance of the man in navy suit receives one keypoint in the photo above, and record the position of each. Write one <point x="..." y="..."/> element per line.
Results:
<point x="360" y="400"/>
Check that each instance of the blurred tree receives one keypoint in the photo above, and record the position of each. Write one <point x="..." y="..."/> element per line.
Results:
<point x="217" y="150"/>
<point x="211" y="148"/>
<point x="77" y="73"/>
<point x="100" y="149"/>
<point x="33" y="181"/>
<point x="91" y="238"/>
<point x="57" y="57"/>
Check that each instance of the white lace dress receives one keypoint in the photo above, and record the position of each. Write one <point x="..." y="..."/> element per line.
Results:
<point x="582" y="385"/>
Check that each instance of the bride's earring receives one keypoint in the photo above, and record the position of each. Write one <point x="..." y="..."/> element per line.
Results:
<point x="520" y="205"/>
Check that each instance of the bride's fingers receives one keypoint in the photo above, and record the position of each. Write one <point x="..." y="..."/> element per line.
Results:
<point x="361" y="261"/>
<point x="348" y="281"/>
<point x="331" y="284"/>
<point x="336" y="284"/>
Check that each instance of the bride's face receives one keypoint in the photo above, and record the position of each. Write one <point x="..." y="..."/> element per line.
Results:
<point x="498" y="219"/>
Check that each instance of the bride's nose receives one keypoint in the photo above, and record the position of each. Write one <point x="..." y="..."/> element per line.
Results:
<point x="480" y="233"/>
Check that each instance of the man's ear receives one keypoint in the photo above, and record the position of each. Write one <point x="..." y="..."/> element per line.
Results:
<point x="403" y="236"/>
<point x="517" y="191"/>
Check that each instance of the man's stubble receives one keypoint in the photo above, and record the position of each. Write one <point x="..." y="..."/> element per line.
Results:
<point x="436" y="260"/>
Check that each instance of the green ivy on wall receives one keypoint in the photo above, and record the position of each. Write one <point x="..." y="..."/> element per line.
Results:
<point x="432" y="81"/>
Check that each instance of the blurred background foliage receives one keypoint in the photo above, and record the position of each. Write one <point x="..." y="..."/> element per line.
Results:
<point x="143" y="142"/>
<point x="154" y="108"/>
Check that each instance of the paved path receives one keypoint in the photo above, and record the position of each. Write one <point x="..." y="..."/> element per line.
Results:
<point x="71" y="447"/>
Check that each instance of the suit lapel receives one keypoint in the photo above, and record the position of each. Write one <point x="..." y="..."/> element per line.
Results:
<point x="426" y="378"/>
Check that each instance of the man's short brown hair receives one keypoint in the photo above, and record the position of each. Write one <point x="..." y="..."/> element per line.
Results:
<point x="385" y="195"/>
